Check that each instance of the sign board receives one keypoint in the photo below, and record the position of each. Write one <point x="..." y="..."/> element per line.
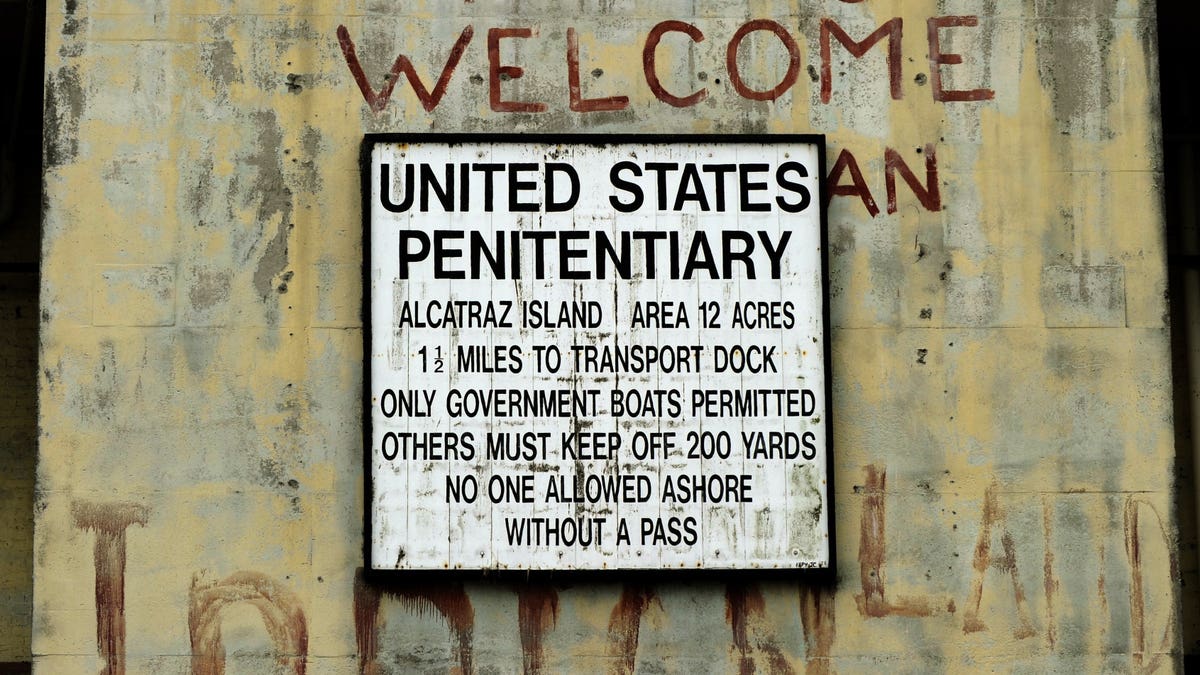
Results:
<point x="596" y="352"/>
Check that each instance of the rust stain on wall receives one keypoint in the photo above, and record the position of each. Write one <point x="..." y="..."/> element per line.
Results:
<point x="745" y="610"/>
<point x="280" y="609"/>
<point x="109" y="521"/>
<point x="366" y="623"/>
<point x="818" y="621"/>
<point x="450" y="601"/>
<point x="537" y="613"/>
<point x="624" y="626"/>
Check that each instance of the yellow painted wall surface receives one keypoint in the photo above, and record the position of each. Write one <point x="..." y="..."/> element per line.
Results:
<point x="1002" y="399"/>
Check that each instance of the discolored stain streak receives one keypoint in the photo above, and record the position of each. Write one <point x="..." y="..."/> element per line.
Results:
<point x="198" y="187"/>
<point x="63" y="109"/>
<point x="1076" y="363"/>
<point x="199" y="347"/>
<point x="71" y="25"/>
<point x="98" y="402"/>
<point x="270" y="471"/>
<point x="280" y="609"/>
<point x="817" y="620"/>
<point x="450" y="601"/>
<point x="745" y="610"/>
<point x="1072" y="47"/>
<point x="71" y="22"/>
<point x="841" y="240"/>
<point x="273" y="261"/>
<point x="294" y="404"/>
<point x="537" y="613"/>
<point x="218" y="61"/>
<point x="624" y="626"/>
<point x="311" y="146"/>
<point x="274" y="200"/>
<point x="109" y="521"/>
<point x="209" y="288"/>
<point x="1149" y="37"/>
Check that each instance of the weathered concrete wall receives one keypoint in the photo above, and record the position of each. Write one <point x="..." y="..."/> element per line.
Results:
<point x="1002" y="414"/>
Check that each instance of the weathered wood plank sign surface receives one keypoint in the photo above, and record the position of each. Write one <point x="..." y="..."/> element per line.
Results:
<point x="588" y="353"/>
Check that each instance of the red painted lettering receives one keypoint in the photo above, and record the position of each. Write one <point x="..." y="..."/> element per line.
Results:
<point x="648" y="62"/>
<point x="1147" y="659"/>
<point x="109" y="522"/>
<point x="577" y="102"/>
<point x="1006" y="563"/>
<point x="280" y="609"/>
<point x="892" y="30"/>
<point x="872" y="552"/>
<point x="858" y="186"/>
<point x="377" y="101"/>
<point x="735" y="75"/>
<point x="929" y="194"/>
<point x="937" y="59"/>
<point x="496" y="71"/>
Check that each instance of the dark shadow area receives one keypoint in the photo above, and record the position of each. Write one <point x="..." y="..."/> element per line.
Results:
<point x="22" y="46"/>
<point x="1181" y="163"/>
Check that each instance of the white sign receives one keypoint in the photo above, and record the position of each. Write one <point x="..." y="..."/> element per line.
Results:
<point x="591" y="353"/>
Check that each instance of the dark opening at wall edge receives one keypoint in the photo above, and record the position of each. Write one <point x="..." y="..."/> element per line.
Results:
<point x="22" y="46"/>
<point x="1181" y="186"/>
